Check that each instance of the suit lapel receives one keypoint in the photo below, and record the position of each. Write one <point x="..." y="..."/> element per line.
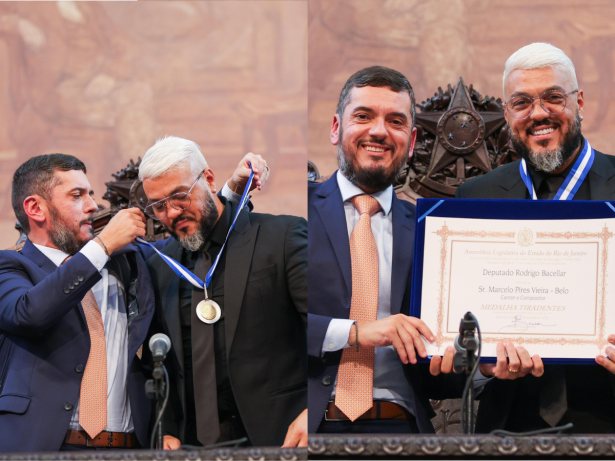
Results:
<point x="46" y="265"/>
<point x="330" y="208"/>
<point x="169" y="296"/>
<point x="37" y="257"/>
<point x="601" y="186"/>
<point x="239" y="250"/>
<point x="512" y="184"/>
<point x="403" y="242"/>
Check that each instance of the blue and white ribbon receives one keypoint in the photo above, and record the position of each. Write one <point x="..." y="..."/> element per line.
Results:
<point x="186" y="274"/>
<point x="574" y="179"/>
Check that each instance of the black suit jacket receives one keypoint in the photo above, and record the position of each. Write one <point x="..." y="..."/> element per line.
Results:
<point x="44" y="338"/>
<point x="330" y="290"/>
<point x="265" y="308"/>
<point x="505" y="183"/>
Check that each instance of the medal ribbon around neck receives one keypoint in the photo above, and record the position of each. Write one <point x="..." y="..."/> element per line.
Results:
<point x="574" y="179"/>
<point x="186" y="274"/>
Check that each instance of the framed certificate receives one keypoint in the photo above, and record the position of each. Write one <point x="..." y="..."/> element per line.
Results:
<point x="540" y="274"/>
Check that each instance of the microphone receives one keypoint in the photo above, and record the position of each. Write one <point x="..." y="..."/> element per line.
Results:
<point x="461" y="342"/>
<point x="160" y="345"/>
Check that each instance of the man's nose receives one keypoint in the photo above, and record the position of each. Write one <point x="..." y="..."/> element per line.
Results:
<point x="378" y="128"/>
<point x="172" y="212"/>
<point x="90" y="205"/>
<point x="538" y="112"/>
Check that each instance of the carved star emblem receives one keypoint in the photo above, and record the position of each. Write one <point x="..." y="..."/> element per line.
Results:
<point x="460" y="133"/>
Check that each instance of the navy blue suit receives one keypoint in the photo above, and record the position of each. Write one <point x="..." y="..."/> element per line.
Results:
<point x="44" y="337"/>
<point x="329" y="292"/>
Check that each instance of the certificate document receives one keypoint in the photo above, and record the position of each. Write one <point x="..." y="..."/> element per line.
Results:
<point x="546" y="285"/>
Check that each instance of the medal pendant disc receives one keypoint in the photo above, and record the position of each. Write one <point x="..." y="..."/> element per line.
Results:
<point x="208" y="311"/>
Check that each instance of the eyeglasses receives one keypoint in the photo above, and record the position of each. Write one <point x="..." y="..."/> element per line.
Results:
<point x="552" y="101"/>
<point x="179" y="201"/>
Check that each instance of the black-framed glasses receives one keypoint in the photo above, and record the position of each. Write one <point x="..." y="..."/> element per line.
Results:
<point x="552" y="101"/>
<point x="179" y="201"/>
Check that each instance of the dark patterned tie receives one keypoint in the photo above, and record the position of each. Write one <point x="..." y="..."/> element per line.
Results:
<point x="204" y="364"/>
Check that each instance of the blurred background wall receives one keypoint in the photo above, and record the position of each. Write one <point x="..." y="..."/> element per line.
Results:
<point x="435" y="42"/>
<point x="103" y="80"/>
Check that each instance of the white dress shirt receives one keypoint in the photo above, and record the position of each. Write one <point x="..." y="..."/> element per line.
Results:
<point x="109" y="294"/>
<point x="390" y="382"/>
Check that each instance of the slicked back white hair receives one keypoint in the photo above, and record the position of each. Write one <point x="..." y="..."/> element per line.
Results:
<point x="538" y="56"/>
<point x="168" y="153"/>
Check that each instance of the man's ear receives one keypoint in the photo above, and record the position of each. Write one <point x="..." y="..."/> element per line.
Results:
<point x="335" y="130"/>
<point x="412" y="142"/>
<point x="210" y="177"/>
<point x="36" y="208"/>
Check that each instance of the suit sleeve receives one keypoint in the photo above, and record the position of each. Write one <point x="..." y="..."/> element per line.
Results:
<point x="317" y="330"/>
<point x="295" y="258"/>
<point x="29" y="310"/>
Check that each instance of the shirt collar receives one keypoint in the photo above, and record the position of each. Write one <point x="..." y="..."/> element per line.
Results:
<point x="56" y="256"/>
<point x="349" y="190"/>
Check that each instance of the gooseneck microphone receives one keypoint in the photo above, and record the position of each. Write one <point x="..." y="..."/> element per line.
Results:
<point x="160" y="345"/>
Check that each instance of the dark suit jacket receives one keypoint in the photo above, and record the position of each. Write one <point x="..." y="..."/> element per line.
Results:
<point x="44" y="336"/>
<point x="329" y="283"/>
<point x="505" y="183"/>
<point x="265" y="307"/>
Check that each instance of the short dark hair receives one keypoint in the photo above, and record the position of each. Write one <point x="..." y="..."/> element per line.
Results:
<point x="36" y="176"/>
<point x="377" y="76"/>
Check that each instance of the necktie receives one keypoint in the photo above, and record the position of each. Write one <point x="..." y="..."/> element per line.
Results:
<point x="204" y="364"/>
<point x="549" y="187"/>
<point x="355" y="378"/>
<point x="93" y="395"/>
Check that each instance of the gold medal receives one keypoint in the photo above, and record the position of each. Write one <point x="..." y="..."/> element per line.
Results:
<point x="208" y="311"/>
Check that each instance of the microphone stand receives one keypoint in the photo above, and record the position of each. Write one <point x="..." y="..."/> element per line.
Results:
<point x="158" y="389"/>
<point x="467" y="359"/>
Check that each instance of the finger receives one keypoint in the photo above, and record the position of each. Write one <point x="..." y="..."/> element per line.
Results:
<point x="304" y="440"/>
<point x="401" y="348"/>
<point x="513" y="360"/>
<point x="417" y="340"/>
<point x="291" y="439"/>
<point x="409" y="342"/>
<point x="134" y="210"/>
<point x="612" y="339"/>
<point x="435" y="365"/>
<point x="526" y="361"/>
<point x="606" y="363"/>
<point x="487" y="369"/>
<point x="501" y="364"/>
<point x="447" y="360"/>
<point x="420" y="326"/>
<point x="538" y="367"/>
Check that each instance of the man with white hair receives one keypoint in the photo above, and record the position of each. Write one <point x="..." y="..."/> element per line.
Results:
<point x="238" y="361"/>
<point x="544" y="110"/>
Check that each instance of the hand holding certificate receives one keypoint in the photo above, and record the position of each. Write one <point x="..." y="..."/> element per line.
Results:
<point x="544" y="284"/>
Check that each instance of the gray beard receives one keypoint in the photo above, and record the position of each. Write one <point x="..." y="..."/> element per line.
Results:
<point x="551" y="160"/>
<point x="193" y="242"/>
<point x="196" y="241"/>
<point x="547" y="161"/>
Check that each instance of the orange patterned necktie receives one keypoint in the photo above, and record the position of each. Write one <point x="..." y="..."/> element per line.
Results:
<point x="93" y="396"/>
<point x="354" y="394"/>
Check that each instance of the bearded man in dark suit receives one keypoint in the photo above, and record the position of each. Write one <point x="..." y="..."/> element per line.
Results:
<point x="544" y="110"/>
<point x="243" y="374"/>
